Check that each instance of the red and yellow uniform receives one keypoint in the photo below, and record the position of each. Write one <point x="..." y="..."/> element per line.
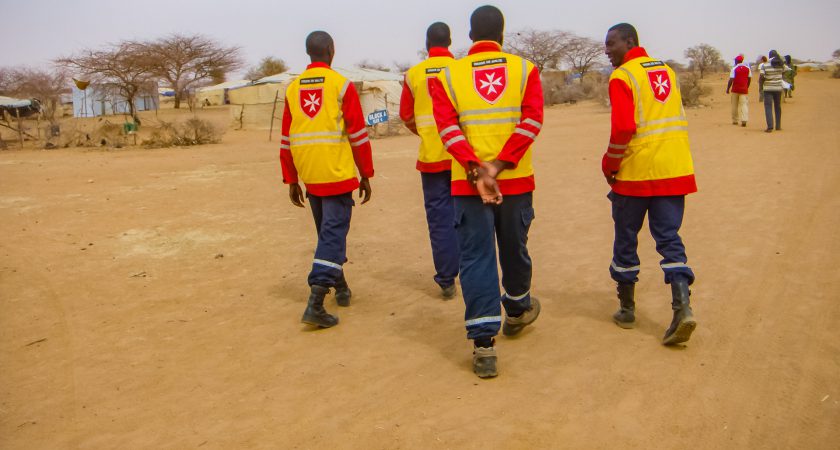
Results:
<point x="324" y="133"/>
<point x="416" y="111"/>
<point x="649" y="151"/>
<point x="488" y="105"/>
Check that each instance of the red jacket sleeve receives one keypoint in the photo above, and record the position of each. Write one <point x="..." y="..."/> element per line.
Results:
<point x="407" y="107"/>
<point x="354" y="123"/>
<point x="287" y="162"/>
<point x="623" y="125"/>
<point x="446" y="119"/>
<point x="530" y="121"/>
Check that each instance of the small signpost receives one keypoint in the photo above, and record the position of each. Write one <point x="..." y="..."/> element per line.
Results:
<point x="378" y="116"/>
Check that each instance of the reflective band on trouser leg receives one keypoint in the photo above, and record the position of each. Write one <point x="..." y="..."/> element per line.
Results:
<point x="629" y="215"/>
<point x="334" y="213"/>
<point x="665" y="218"/>
<point x="514" y="217"/>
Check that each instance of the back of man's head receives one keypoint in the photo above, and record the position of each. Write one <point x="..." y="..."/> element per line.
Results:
<point x="626" y="32"/>
<point x="319" y="44"/>
<point x="438" y="35"/>
<point x="487" y="24"/>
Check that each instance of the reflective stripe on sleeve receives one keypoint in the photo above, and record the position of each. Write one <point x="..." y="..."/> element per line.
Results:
<point x="533" y="123"/>
<point x="455" y="139"/>
<point x="525" y="133"/>
<point x="615" y="155"/>
<point x="358" y="133"/>
<point x="360" y="142"/>
<point x="448" y="130"/>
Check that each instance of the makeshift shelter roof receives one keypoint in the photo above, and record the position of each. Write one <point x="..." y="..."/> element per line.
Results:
<point x="10" y="102"/>
<point x="226" y="85"/>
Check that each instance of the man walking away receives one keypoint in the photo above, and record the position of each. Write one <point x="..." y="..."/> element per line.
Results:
<point x="739" y="84"/>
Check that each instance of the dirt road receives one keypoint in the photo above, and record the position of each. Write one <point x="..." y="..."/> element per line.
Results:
<point x="152" y="298"/>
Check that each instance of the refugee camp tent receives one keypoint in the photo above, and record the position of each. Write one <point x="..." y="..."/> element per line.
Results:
<point x="105" y="99"/>
<point x="216" y="95"/>
<point x="254" y="103"/>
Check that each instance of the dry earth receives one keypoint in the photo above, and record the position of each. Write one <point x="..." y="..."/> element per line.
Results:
<point x="151" y="299"/>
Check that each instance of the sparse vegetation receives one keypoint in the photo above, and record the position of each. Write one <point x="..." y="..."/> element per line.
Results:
<point x="704" y="59"/>
<point x="180" y="134"/>
<point x="692" y="88"/>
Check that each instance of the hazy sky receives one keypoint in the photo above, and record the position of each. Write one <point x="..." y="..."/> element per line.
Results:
<point x="35" y="31"/>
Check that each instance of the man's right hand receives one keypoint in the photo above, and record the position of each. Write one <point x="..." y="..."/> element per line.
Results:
<point x="296" y="195"/>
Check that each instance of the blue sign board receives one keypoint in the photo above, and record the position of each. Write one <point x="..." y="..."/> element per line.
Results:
<point x="378" y="116"/>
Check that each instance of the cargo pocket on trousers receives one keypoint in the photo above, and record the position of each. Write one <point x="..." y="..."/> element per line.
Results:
<point x="528" y="217"/>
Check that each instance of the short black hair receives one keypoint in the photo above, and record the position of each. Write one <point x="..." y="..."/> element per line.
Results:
<point x="438" y="35"/>
<point x="626" y="31"/>
<point x="487" y="24"/>
<point x="318" y="43"/>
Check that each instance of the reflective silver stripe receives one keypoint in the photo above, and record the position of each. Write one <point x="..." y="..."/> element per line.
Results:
<point x="638" y="93"/>
<point x="472" y="112"/>
<point x="533" y="123"/>
<point x="526" y="133"/>
<point x="448" y="130"/>
<point x="327" y="263"/>
<point x="624" y="269"/>
<point x="481" y="320"/>
<point x="360" y="142"/>
<point x="490" y="121"/>
<point x="317" y="141"/>
<point x="317" y="133"/>
<point x="344" y="89"/>
<point x="517" y="297"/>
<point x="615" y="155"/>
<point x="285" y="147"/>
<point x="458" y="138"/>
<point x="673" y="265"/>
<point x="283" y="137"/>
<point x="358" y="133"/>
<point x="524" y="76"/>
<point x="451" y="90"/>
<point x="660" y="131"/>
<point x="618" y="146"/>
<point x="661" y="121"/>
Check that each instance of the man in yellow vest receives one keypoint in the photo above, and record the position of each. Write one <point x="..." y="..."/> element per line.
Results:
<point x="433" y="162"/>
<point x="324" y="140"/>
<point x="648" y="165"/>
<point x="488" y="107"/>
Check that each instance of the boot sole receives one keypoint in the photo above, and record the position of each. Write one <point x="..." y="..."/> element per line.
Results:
<point x="682" y="333"/>
<point x="317" y="323"/>
<point x="625" y="325"/>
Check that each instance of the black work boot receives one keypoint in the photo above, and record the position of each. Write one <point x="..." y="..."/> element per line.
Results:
<point x="683" y="323"/>
<point x="625" y="317"/>
<point x="315" y="313"/>
<point x="343" y="293"/>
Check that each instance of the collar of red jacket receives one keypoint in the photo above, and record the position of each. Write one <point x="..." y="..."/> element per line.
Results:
<point x="439" y="51"/>
<point x="485" y="46"/>
<point x="633" y="53"/>
<point x="318" y="64"/>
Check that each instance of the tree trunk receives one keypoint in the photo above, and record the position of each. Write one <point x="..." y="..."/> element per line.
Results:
<point x="177" y="100"/>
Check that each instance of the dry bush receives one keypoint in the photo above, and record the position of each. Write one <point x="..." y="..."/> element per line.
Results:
<point x="593" y="86"/>
<point x="692" y="89"/>
<point x="179" y="134"/>
<point x="836" y="73"/>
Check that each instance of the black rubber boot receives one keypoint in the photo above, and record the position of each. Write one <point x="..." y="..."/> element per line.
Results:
<point x="315" y="313"/>
<point x="343" y="293"/>
<point x="683" y="323"/>
<point x="625" y="317"/>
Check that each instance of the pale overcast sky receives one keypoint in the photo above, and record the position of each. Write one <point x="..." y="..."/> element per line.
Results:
<point x="36" y="31"/>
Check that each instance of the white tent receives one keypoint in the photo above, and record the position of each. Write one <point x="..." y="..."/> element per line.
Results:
<point x="216" y="95"/>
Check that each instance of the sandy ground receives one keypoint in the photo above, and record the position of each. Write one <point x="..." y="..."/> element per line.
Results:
<point x="152" y="298"/>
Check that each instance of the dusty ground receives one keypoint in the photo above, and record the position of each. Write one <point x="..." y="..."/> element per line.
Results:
<point x="151" y="299"/>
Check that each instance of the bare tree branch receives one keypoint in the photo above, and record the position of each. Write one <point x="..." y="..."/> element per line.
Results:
<point x="543" y="48"/>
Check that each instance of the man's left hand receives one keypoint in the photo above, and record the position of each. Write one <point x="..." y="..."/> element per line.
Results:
<point x="364" y="190"/>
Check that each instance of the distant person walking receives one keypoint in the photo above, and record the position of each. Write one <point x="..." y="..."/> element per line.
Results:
<point x="488" y="107"/>
<point x="433" y="161"/>
<point x="324" y="134"/>
<point x="789" y="76"/>
<point x="739" y="84"/>
<point x="649" y="168"/>
<point x="760" y="69"/>
<point x="772" y="73"/>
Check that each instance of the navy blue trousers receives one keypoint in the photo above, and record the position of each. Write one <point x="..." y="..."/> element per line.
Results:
<point x="332" y="221"/>
<point x="665" y="215"/>
<point x="440" y="215"/>
<point x="480" y="228"/>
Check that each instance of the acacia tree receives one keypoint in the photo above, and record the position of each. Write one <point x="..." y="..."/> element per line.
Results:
<point x="704" y="58"/>
<point x="124" y="65"/>
<point x="582" y="53"/>
<point x="543" y="48"/>
<point x="266" y="67"/>
<point x="42" y="85"/>
<point x="373" y="65"/>
<point x="185" y="60"/>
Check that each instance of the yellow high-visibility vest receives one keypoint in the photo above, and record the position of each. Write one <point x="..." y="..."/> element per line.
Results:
<point x="659" y="150"/>
<point x="487" y="89"/>
<point x="317" y="136"/>
<point x="417" y="78"/>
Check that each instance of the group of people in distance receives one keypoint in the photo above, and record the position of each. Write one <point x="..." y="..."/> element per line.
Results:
<point x="477" y="118"/>
<point x="775" y="83"/>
